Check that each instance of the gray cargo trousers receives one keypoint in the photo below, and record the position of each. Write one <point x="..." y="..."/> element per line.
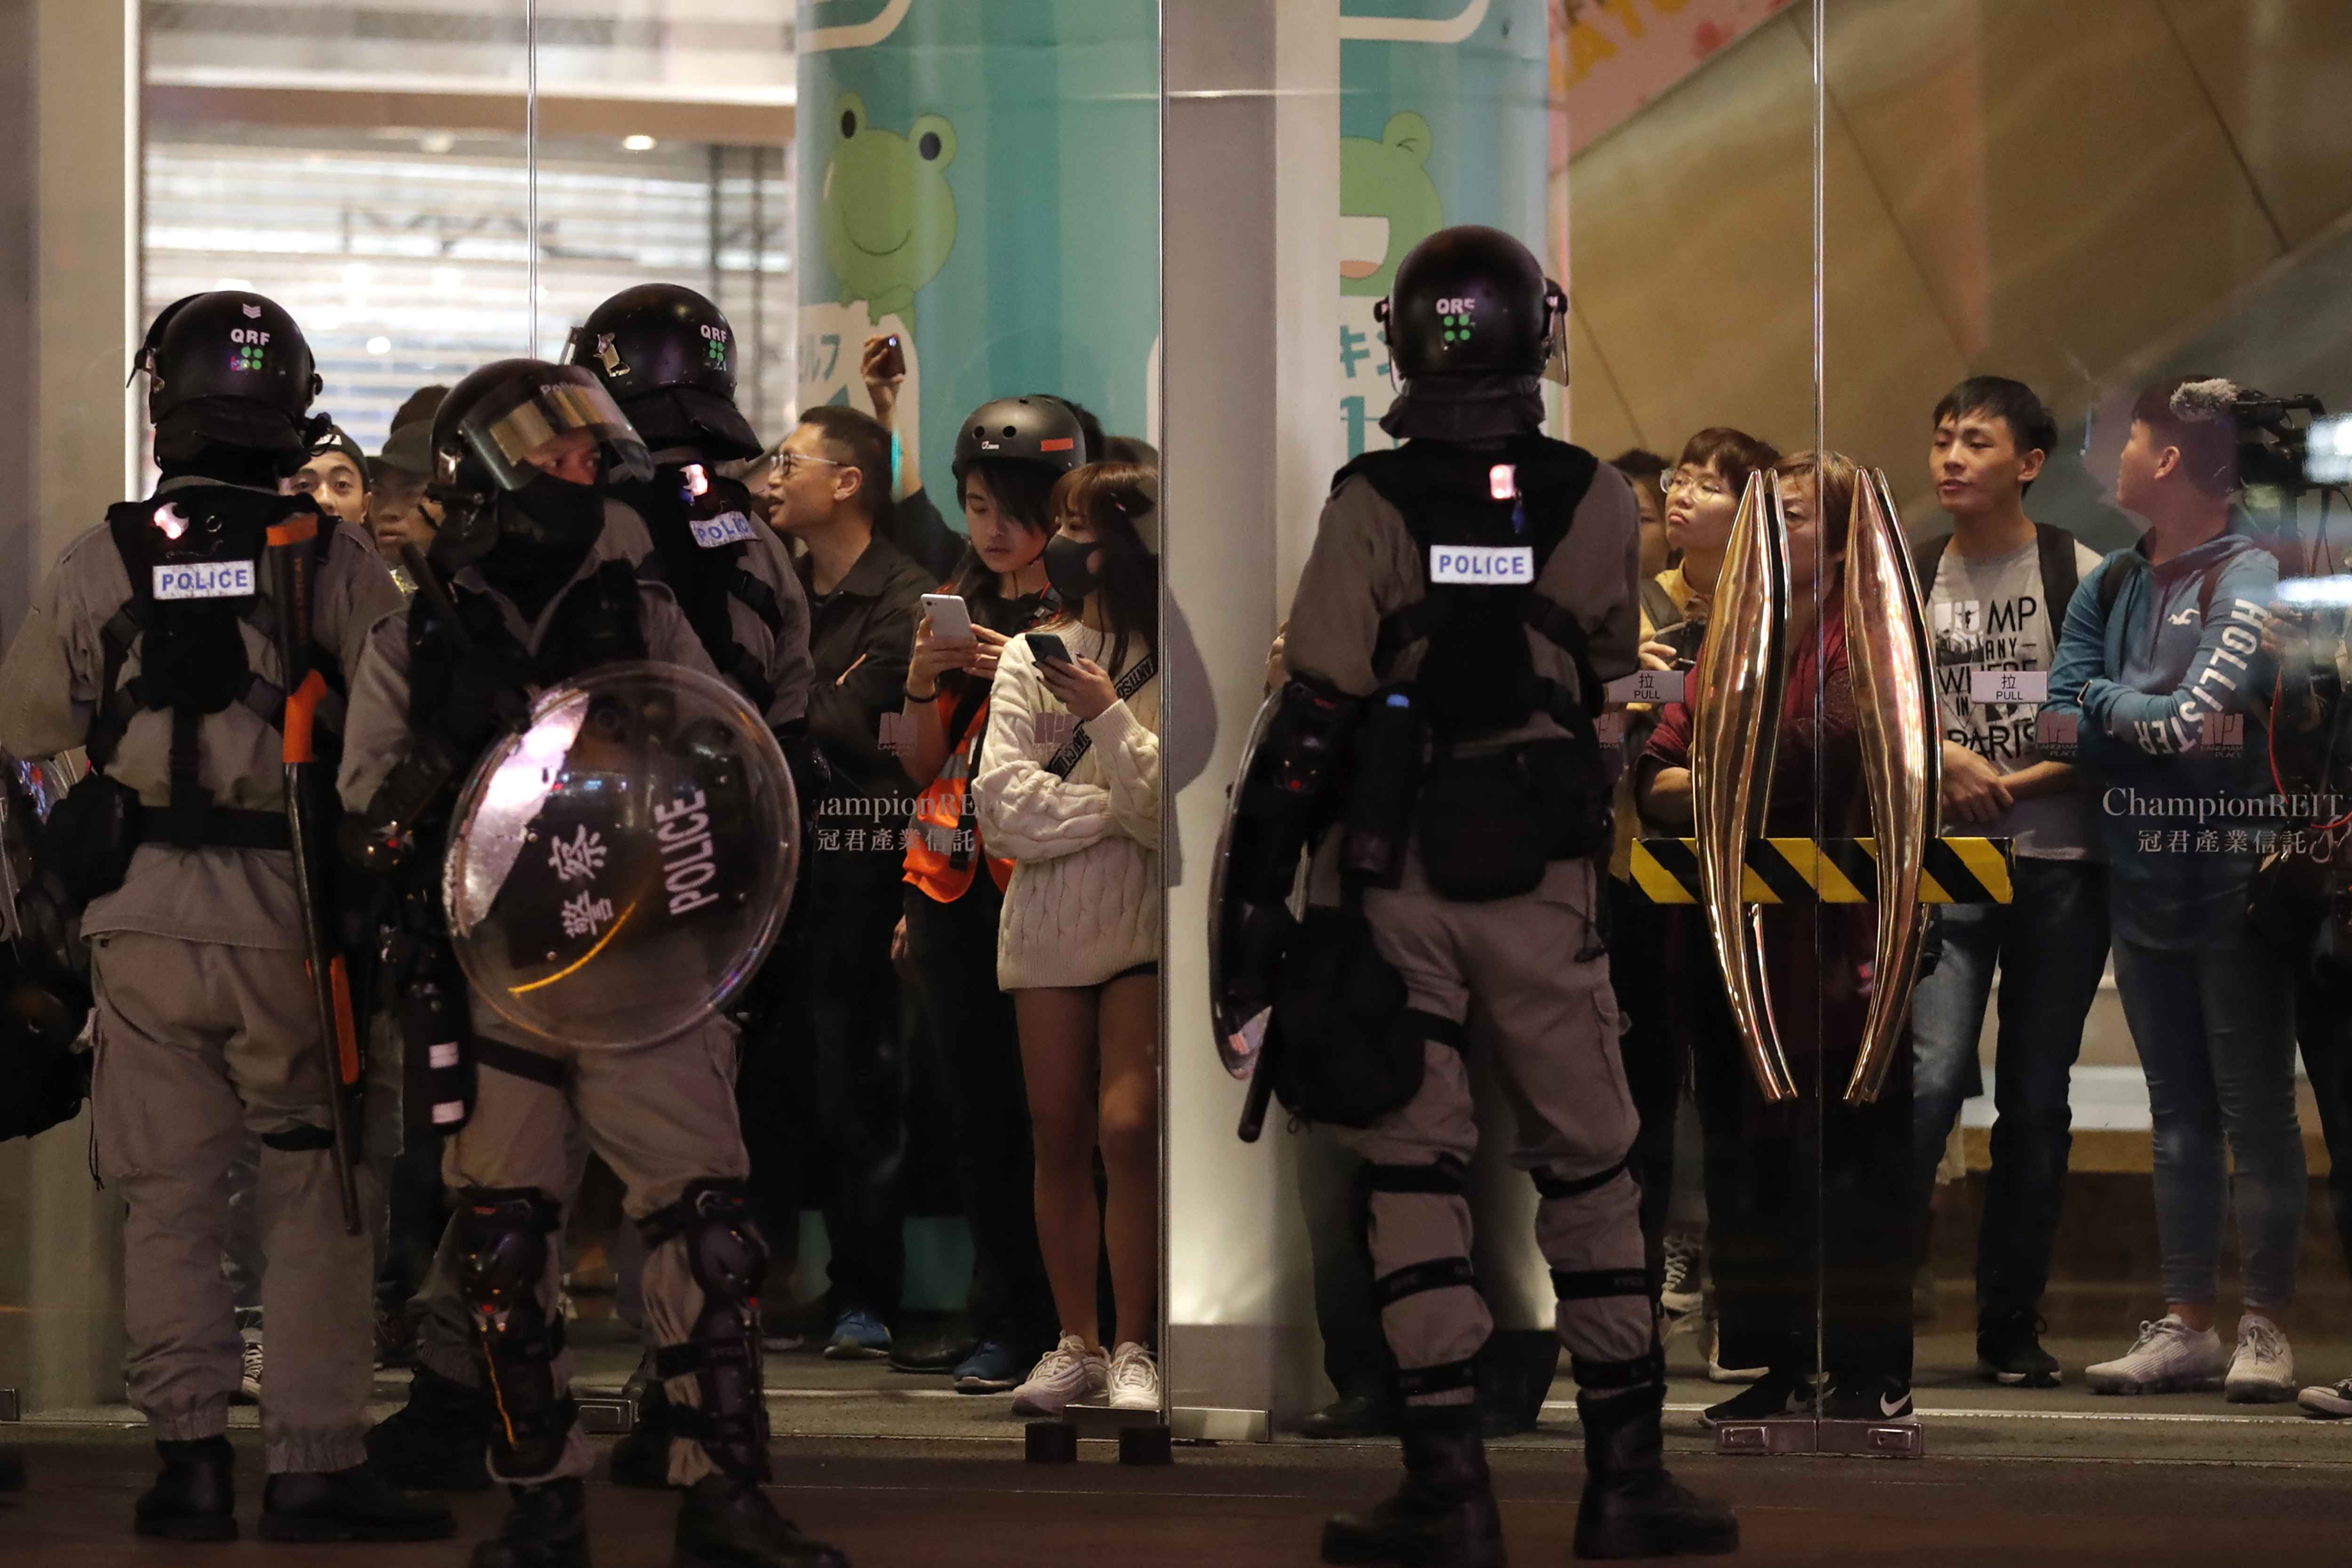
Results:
<point x="1547" y="1021"/>
<point x="662" y="1116"/>
<point x="200" y="1044"/>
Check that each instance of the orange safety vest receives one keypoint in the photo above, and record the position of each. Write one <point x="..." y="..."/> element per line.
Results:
<point x="944" y="850"/>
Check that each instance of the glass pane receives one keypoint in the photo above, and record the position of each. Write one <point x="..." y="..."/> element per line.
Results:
<point x="1673" y="199"/>
<point x="976" y="264"/>
<point x="1691" y="203"/>
<point x="2095" y="249"/>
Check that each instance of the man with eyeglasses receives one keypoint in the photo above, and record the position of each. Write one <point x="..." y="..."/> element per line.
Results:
<point x="829" y="493"/>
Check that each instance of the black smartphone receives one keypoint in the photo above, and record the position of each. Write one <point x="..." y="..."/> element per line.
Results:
<point x="1045" y="646"/>
<point x="893" y="358"/>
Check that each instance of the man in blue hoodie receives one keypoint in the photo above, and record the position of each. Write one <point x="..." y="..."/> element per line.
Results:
<point x="2162" y="680"/>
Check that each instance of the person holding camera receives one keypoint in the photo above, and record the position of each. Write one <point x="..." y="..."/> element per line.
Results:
<point x="955" y="886"/>
<point x="1069" y="789"/>
<point x="2162" y="677"/>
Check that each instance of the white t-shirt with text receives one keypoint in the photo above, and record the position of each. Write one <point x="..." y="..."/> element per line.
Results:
<point x="1987" y="613"/>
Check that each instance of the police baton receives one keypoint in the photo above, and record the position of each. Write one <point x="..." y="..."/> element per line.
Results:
<point x="291" y="554"/>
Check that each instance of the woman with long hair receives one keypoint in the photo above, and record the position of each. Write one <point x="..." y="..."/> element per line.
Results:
<point x="955" y="901"/>
<point x="1069" y="787"/>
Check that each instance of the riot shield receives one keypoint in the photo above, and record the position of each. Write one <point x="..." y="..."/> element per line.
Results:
<point x="618" y="867"/>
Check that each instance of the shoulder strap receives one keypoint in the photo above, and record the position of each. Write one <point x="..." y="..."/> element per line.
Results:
<point x="1929" y="555"/>
<point x="2060" y="577"/>
<point x="2112" y="575"/>
<point x="1659" y="604"/>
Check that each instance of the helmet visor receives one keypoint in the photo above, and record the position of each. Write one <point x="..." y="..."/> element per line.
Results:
<point x="536" y="423"/>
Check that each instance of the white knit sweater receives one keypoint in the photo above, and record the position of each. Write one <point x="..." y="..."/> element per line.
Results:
<point x="1085" y="898"/>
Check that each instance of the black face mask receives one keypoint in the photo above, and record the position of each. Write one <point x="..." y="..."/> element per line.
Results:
<point x="1066" y="569"/>
<point x="555" y="511"/>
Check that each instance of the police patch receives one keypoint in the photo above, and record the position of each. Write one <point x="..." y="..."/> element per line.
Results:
<point x="726" y="528"/>
<point x="1489" y="565"/>
<point x="206" y="580"/>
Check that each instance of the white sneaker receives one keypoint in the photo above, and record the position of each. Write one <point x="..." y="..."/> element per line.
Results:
<point x="2331" y="1404"/>
<point x="1679" y="1296"/>
<point x="2169" y="1357"/>
<point x="248" y="1388"/>
<point x="2261" y="1368"/>
<point x="1134" y="1379"/>
<point x="1068" y="1372"/>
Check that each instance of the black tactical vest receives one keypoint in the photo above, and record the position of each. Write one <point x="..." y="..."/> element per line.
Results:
<point x="1483" y="522"/>
<point x="196" y="558"/>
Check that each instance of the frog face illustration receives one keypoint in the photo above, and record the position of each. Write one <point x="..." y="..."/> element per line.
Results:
<point x="887" y="214"/>
<point x="1388" y="203"/>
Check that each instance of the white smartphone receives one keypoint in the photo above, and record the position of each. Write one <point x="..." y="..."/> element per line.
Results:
<point x="950" y="617"/>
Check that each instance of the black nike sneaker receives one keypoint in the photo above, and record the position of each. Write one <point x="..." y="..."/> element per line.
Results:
<point x="1774" y="1395"/>
<point x="1882" y="1401"/>
<point x="2009" y="1352"/>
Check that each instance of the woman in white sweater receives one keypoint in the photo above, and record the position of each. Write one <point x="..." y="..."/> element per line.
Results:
<point x="1069" y="788"/>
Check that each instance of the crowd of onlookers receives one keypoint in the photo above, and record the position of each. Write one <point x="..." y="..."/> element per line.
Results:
<point x="965" y="996"/>
<point x="2158" y="735"/>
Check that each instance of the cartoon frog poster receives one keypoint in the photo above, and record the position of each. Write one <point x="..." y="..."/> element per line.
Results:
<point x="887" y="218"/>
<point x="886" y="210"/>
<point x="1388" y="203"/>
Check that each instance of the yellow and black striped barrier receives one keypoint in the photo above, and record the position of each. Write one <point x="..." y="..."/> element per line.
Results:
<point x="1827" y="872"/>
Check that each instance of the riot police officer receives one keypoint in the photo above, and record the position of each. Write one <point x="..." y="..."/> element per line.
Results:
<point x="160" y="642"/>
<point x="668" y="356"/>
<point x="530" y="584"/>
<point x="1468" y="593"/>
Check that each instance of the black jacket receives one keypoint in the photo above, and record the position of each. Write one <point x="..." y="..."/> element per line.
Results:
<point x="861" y="637"/>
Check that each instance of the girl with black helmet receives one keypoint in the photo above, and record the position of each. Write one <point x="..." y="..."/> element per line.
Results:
<point x="1069" y="787"/>
<point x="955" y="885"/>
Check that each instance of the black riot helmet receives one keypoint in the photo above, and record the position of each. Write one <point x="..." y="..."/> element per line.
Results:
<point x="491" y="437"/>
<point x="229" y="369"/>
<point x="1472" y="301"/>
<point x="1041" y="430"/>
<point x="668" y="356"/>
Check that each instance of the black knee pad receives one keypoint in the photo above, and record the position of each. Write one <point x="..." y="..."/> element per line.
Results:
<point x="729" y="1259"/>
<point x="1550" y="1187"/>
<point x="502" y="1257"/>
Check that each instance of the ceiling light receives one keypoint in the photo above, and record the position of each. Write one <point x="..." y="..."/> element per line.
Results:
<point x="638" y="143"/>
<point x="379" y="345"/>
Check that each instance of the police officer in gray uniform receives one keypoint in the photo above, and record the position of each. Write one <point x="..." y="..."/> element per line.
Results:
<point x="668" y="356"/>
<point x="1468" y="593"/>
<point x="532" y="584"/>
<point x="155" y="643"/>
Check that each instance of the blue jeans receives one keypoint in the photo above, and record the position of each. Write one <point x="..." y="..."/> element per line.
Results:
<point x="2215" y="1029"/>
<point x="2051" y="946"/>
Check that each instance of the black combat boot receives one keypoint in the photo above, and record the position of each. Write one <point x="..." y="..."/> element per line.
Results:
<point x="1631" y="1506"/>
<point x="195" y="1498"/>
<point x="729" y="1523"/>
<point x="356" y="1504"/>
<point x="546" y="1528"/>
<point x="1443" y="1516"/>
<point x="642" y="1458"/>
<point x="438" y="1441"/>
